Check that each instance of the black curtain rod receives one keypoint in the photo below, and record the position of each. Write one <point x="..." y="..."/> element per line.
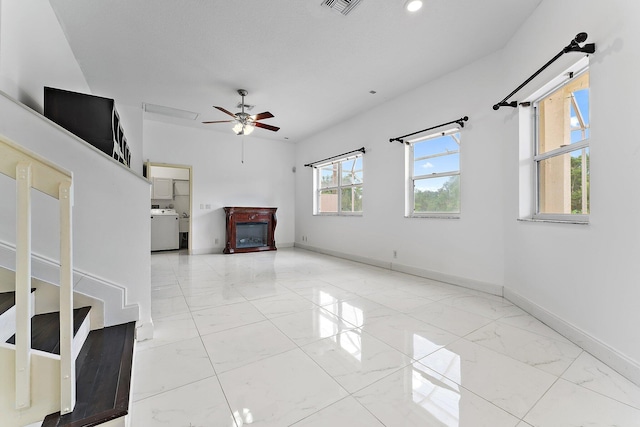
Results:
<point x="460" y="122"/>
<point x="574" y="46"/>
<point x="312" y="164"/>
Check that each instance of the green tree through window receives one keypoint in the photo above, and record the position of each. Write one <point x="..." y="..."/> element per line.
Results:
<point x="340" y="187"/>
<point x="435" y="174"/>
<point x="444" y="199"/>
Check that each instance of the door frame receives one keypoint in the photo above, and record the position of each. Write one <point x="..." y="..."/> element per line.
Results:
<point x="146" y="173"/>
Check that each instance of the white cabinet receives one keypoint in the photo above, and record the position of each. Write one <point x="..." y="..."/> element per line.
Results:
<point x="162" y="188"/>
<point x="181" y="188"/>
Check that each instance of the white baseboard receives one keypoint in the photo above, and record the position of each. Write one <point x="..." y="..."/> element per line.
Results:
<point x="489" y="288"/>
<point x="343" y="255"/>
<point x="464" y="282"/>
<point x="610" y="356"/>
<point x="116" y="309"/>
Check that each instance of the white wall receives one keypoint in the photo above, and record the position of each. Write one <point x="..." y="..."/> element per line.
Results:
<point x="585" y="275"/>
<point x="111" y="206"/>
<point x="34" y="53"/>
<point x="221" y="179"/>
<point x="582" y="278"/>
<point x="111" y="216"/>
<point x="469" y="247"/>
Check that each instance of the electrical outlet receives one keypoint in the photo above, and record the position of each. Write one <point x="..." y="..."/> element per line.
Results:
<point x="208" y="206"/>
<point x="201" y="205"/>
<point x="216" y="240"/>
<point x="395" y="253"/>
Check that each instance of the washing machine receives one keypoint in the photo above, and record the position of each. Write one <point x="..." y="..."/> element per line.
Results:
<point x="164" y="230"/>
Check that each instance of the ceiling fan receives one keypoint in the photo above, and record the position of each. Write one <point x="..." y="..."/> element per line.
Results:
<point x="244" y="122"/>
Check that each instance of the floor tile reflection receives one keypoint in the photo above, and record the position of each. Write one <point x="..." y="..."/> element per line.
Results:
<point x="355" y="359"/>
<point x="508" y="383"/>
<point x="296" y="338"/>
<point x="418" y="396"/>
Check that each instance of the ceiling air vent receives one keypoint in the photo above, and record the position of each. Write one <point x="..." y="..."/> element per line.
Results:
<point x="168" y="111"/>
<point x="342" y="6"/>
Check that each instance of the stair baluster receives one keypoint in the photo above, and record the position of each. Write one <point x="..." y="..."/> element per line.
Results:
<point x="67" y="360"/>
<point x="33" y="172"/>
<point x="23" y="285"/>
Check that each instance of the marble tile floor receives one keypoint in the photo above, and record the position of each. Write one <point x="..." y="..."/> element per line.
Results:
<point x="295" y="338"/>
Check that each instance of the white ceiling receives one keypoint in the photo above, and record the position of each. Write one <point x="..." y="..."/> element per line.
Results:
<point x="308" y="65"/>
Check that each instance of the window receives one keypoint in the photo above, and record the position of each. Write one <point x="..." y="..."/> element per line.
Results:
<point x="433" y="187"/>
<point x="561" y="152"/>
<point x="338" y="186"/>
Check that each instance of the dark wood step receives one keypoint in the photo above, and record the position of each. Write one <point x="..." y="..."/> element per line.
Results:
<point x="8" y="300"/>
<point x="103" y="378"/>
<point x="45" y="330"/>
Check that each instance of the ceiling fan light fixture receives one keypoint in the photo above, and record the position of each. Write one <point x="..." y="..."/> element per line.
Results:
<point x="248" y="128"/>
<point x="245" y="123"/>
<point x="237" y="128"/>
<point x="243" y="128"/>
<point x="413" y="5"/>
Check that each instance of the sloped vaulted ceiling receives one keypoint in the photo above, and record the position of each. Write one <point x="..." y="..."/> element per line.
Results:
<point x="309" y="65"/>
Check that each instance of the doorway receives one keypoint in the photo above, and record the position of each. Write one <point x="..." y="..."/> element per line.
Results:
<point x="175" y="189"/>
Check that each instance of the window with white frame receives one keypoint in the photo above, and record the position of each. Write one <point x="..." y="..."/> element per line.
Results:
<point x="561" y="150"/>
<point x="433" y="184"/>
<point x="338" y="186"/>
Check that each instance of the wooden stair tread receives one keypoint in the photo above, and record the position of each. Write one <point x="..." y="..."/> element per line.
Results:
<point x="45" y="330"/>
<point x="8" y="300"/>
<point x="103" y="371"/>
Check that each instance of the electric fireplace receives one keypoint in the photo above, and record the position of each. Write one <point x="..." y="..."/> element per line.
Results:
<point x="250" y="229"/>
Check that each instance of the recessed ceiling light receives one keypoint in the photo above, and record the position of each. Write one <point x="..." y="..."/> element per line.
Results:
<point x="413" y="5"/>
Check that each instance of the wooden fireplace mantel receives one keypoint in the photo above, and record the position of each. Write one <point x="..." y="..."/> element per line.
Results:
<point x="250" y="220"/>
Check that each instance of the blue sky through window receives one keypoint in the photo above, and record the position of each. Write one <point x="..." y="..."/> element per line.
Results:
<point x="445" y="152"/>
<point x="582" y="100"/>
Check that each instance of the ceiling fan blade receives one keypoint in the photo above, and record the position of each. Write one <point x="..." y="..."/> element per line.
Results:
<point x="220" y="121"/>
<point x="225" y="111"/>
<point x="267" y="127"/>
<point x="261" y="116"/>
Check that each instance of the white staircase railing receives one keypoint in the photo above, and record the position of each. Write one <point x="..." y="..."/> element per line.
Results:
<point x="33" y="172"/>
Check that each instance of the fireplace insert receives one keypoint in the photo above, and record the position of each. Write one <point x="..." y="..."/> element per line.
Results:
<point x="250" y="229"/>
